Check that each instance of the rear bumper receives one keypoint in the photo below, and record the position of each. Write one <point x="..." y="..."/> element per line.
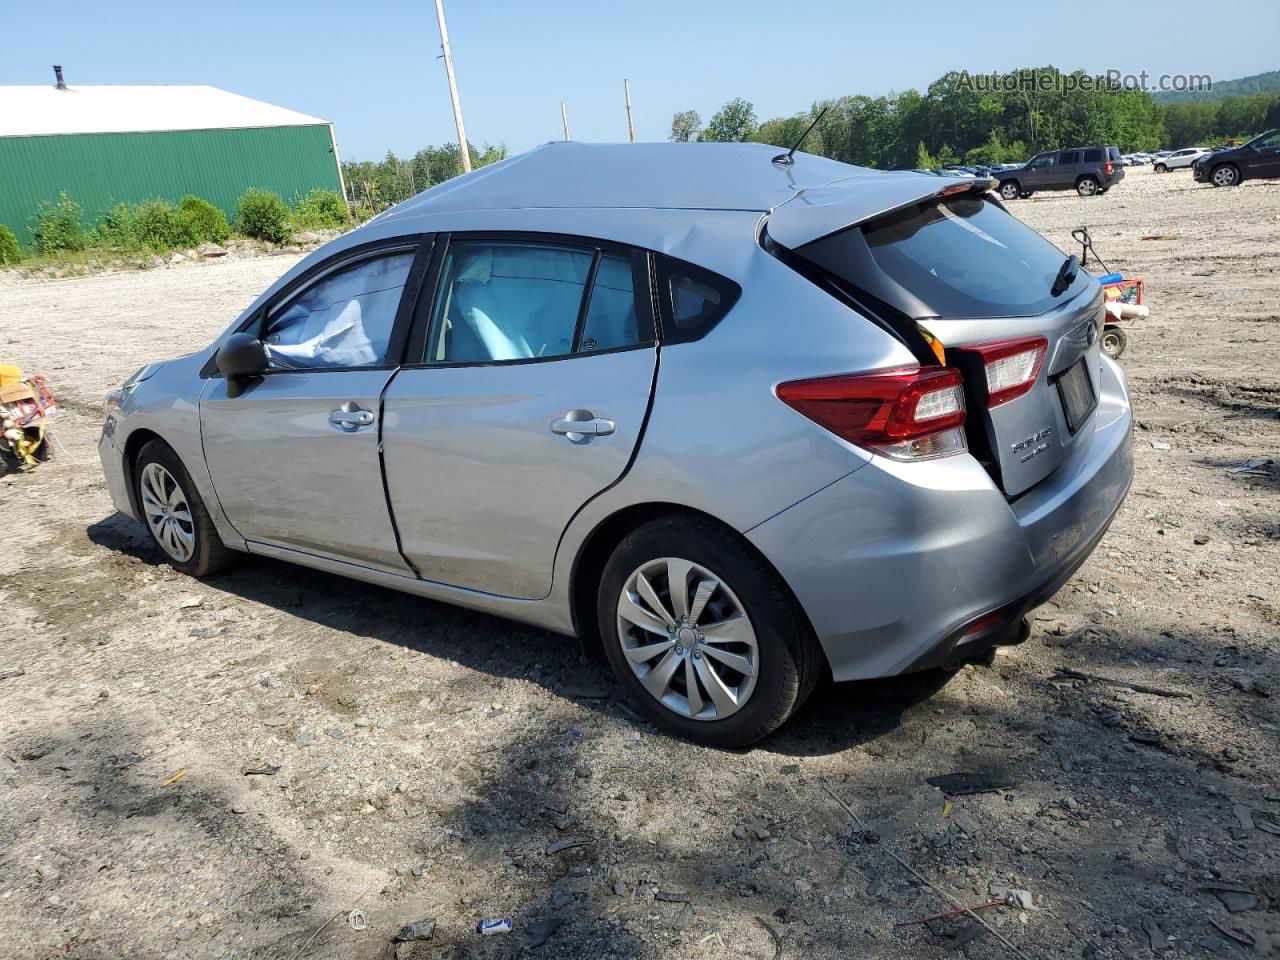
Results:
<point x="894" y="562"/>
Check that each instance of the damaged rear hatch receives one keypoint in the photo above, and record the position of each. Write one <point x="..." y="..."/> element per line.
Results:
<point x="955" y="276"/>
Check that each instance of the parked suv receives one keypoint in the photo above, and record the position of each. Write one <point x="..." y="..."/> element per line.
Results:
<point x="673" y="397"/>
<point x="1180" y="159"/>
<point x="1086" y="170"/>
<point x="1256" y="160"/>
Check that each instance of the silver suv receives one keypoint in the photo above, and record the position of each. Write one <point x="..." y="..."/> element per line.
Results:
<point x="745" y="419"/>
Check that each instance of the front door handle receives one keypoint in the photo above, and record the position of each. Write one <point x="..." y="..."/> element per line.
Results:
<point x="580" y="424"/>
<point x="351" y="415"/>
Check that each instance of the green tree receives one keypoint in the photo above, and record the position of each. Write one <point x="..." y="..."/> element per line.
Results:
<point x="685" y="126"/>
<point x="9" y="252"/>
<point x="924" y="160"/>
<point x="732" y="123"/>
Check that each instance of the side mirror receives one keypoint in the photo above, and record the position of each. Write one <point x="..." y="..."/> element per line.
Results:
<point x="241" y="357"/>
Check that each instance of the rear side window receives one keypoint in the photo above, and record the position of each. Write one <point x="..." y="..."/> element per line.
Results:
<point x="692" y="300"/>
<point x="1070" y="156"/>
<point x="1093" y="156"/>
<point x="964" y="256"/>
<point x="516" y="300"/>
<point x="611" y="314"/>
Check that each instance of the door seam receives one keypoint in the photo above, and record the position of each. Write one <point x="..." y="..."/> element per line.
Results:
<point x="382" y="469"/>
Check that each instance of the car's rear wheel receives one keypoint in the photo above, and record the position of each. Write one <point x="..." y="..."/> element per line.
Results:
<point x="1161" y="168"/>
<point x="1087" y="186"/>
<point x="1009" y="190"/>
<point x="1224" y="176"/>
<point x="175" y="515"/>
<point x="703" y="635"/>
<point x="1113" y="341"/>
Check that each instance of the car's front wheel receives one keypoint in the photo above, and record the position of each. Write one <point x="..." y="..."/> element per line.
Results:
<point x="1225" y="176"/>
<point x="1087" y="187"/>
<point x="703" y="635"/>
<point x="1009" y="190"/>
<point x="175" y="514"/>
<point x="1161" y="168"/>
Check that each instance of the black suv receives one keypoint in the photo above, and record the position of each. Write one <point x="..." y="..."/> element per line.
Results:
<point x="1086" y="170"/>
<point x="1258" y="159"/>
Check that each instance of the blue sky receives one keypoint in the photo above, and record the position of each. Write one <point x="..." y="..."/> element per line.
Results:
<point x="370" y="67"/>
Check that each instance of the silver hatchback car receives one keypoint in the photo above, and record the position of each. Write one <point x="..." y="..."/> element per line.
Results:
<point x="746" y="419"/>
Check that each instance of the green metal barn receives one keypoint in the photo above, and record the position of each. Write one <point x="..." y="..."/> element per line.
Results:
<point x="103" y="145"/>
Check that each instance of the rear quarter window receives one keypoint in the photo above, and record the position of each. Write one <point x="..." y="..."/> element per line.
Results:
<point x="1093" y="156"/>
<point x="691" y="300"/>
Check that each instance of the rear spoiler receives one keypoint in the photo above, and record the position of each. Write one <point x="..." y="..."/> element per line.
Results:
<point x="817" y="212"/>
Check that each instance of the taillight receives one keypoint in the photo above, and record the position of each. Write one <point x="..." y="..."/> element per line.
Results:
<point x="1010" y="366"/>
<point x="1107" y="168"/>
<point x="911" y="414"/>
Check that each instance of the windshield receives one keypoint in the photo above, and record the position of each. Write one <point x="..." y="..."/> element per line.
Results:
<point x="1256" y="141"/>
<point x="967" y="257"/>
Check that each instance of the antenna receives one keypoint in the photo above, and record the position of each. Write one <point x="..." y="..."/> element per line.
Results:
<point x="788" y="157"/>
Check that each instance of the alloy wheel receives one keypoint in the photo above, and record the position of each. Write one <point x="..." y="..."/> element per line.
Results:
<point x="168" y="513"/>
<point x="1009" y="191"/>
<point x="688" y="639"/>
<point x="1224" y="177"/>
<point x="1086" y="187"/>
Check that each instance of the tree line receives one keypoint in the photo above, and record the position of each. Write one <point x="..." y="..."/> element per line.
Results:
<point x="956" y="121"/>
<point x="372" y="186"/>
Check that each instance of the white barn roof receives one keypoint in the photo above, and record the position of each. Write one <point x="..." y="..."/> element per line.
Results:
<point x="37" y="111"/>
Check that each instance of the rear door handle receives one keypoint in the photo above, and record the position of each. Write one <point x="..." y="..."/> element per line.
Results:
<point x="580" y="424"/>
<point x="352" y="415"/>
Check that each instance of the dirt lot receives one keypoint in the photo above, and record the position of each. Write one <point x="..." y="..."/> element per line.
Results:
<point x="429" y="756"/>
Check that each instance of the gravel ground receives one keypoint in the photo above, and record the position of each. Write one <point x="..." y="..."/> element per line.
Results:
<point x="430" y="759"/>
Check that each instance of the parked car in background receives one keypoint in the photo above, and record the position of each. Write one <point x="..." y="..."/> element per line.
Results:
<point x="1258" y="159"/>
<point x="463" y="400"/>
<point x="1086" y="170"/>
<point x="1181" y="159"/>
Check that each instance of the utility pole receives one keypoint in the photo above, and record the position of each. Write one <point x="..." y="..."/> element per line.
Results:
<point x="463" y="150"/>
<point x="631" y="124"/>
<point x="564" y="119"/>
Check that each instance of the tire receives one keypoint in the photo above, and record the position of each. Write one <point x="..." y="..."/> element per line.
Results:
<point x="1086" y="186"/>
<point x="1161" y="168"/>
<point x="1009" y="190"/>
<point x="191" y="545"/>
<point x="1225" y="175"/>
<point x="747" y="592"/>
<point x="1113" y="341"/>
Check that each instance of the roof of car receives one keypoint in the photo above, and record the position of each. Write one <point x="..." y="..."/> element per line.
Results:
<point x="805" y="200"/>
<point x="684" y="176"/>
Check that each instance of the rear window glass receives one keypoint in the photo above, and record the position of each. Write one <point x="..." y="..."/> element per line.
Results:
<point x="964" y="256"/>
<point x="1115" y="153"/>
<point x="1093" y="156"/>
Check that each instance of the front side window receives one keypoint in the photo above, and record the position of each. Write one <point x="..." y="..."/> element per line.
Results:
<point x="344" y="319"/>
<point x="1044" y="160"/>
